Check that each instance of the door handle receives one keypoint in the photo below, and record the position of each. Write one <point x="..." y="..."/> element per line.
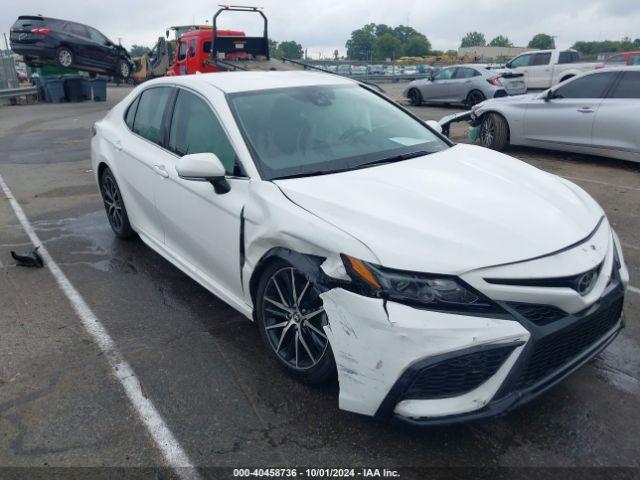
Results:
<point x="118" y="145"/>
<point x="159" y="169"/>
<point x="467" y="81"/>
<point x="585" y="110"/>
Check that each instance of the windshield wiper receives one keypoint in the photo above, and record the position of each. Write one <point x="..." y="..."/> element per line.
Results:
<point x="395" y="158"/>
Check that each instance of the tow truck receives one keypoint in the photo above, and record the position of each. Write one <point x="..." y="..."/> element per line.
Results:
<point x="229" y="50"/>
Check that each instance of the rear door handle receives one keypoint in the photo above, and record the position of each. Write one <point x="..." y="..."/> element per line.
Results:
<point x="159" y="169"/>
<point x="118" y="145"/>
<point x="586" y="110"/>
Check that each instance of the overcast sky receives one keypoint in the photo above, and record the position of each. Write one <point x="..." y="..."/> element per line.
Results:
<point x="322" y="26"/>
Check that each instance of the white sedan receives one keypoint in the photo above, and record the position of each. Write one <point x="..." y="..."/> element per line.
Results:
<point x="440" y="282"/>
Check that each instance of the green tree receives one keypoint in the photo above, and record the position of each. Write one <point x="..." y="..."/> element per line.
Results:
<point x="360" y="45"/>
<point x="417" y="46"/>
<point x="382" y="29"/>
<point x="542" y="41"/>
<point x="290" y="49"/>
<point x="500" y="41"/>
<point x="473" y="39"/>
<point x="387" y="46"/>
<point x="138" y="50"/>
<point x="404" y="33"/>
<point x="273" y="48"/>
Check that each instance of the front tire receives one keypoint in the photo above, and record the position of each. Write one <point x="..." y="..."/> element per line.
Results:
<point x="291" y="318"/>
<point x="64" y="57"/>
<point x="415" y="97"/>
<point x="114" y="206"/>
<point x="494" y="131"/>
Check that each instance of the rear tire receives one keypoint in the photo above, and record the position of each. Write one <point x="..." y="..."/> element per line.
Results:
<point x="474" y="97"/>
<point x="494" y="131"/>
<point x="300" y="314"/>
<point x="124" y="69"/>
<point x="114" y="206"/>
<point x="64" y="57"/>
<point x="415" y="97"/>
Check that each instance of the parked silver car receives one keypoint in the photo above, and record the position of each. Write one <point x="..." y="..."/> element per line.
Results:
<point x="594" y="113"/>
<point x="467" y="84"/>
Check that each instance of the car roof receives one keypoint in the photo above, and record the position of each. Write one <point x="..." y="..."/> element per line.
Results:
<point x="233" y="82"/>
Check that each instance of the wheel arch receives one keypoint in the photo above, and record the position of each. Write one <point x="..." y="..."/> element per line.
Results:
<point x="308" y="264"/>
<point x="566" y="77"/>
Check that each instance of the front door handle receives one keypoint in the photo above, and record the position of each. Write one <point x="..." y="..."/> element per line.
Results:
<point x="118" y="145"/>
<point x="586" y="110"/>
<point x="159" y="169"/>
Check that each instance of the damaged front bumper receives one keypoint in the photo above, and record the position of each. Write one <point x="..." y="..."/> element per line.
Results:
<point x="428" y="368"/>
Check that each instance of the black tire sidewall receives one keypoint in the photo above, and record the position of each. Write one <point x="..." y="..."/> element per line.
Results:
<point x="415" y="97"/>
<point x="469" y="102"/>
<point x="322" y="372"/>
<point x="125" y="232"/>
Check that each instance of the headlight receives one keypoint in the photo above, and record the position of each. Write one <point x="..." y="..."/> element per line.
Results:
<point x="436" y="292"/>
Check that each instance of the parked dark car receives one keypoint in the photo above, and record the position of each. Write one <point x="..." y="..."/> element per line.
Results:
<point x="49" y="41"/>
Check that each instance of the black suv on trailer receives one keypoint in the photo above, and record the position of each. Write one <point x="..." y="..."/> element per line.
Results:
<point x="49" y="41"/>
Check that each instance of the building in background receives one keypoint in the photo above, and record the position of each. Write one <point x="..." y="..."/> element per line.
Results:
<point x="488" y="54"/>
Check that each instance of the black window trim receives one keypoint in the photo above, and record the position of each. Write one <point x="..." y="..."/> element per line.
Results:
<point x="169" y="117"/>
<point x="615" y="83"/>
<point x="607" y="91"/>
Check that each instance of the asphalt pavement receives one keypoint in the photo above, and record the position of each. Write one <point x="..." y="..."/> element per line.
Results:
<point x="203" y="365"/>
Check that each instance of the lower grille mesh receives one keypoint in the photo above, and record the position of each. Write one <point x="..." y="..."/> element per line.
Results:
<point x="457" y="375"/>
<point x="552" y="352"/>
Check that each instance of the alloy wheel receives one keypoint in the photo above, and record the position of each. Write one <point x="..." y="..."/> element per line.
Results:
<point x="112" y="202"/>
<point x="124" y="70"/>
<point x="65" y="58"/>
<point x="294" y="318"/>
<point x="487" y="131"/>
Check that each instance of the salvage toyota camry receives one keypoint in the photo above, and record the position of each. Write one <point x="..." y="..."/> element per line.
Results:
<point x="440" y="282"/>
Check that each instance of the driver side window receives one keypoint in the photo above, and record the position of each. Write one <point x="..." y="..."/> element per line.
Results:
<point x="521" y="61"/>
<point x="589" y="86"/>
<point x="196" y="129"/>
<point x="445" y="74"/>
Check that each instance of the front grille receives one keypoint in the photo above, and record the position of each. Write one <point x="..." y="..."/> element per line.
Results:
<point x="539" y="314"/>
<point x="552" y="352"/>
<point x="457" y="375"/>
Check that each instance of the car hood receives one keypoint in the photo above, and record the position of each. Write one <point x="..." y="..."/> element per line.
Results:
<point x="450" y="212"/>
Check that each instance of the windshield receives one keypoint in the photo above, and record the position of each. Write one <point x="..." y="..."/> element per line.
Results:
<point x="323" y="129"/>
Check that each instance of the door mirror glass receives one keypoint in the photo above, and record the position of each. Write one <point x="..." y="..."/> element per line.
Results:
<point x="200" y="166"/>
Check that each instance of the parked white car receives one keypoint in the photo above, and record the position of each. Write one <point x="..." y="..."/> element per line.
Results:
<point x="596" y="113"/>
<point x="545" y="68"/>
<point x="440" y="282"/>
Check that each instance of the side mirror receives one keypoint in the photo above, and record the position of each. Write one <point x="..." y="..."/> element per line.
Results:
<point x="550" y="95"/>
<point x="434" y="125"/>
<point x="203" y="167"/>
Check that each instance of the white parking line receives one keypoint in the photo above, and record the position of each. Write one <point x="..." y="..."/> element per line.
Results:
<point x="173" y="453"/>
<point x="634" y="289"/>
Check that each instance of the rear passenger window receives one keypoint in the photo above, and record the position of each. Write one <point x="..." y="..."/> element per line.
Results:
<point x="195" y="129"/>
<point x="148" y="117"/>
<point x="628" y="87"/>
<point x="131" y="113"/>
<point x="542" y="58"/>
<point x="589" y="86"/>
<point x="77" y="29"/>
